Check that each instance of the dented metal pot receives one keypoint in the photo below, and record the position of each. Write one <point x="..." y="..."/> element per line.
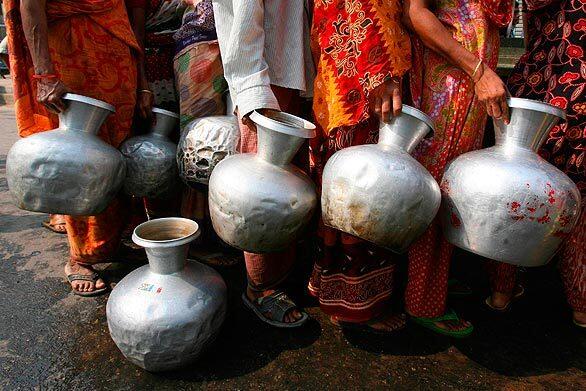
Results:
<point x="204" y="143"/>
<point x="163" y="315"/>
<point x="506" y="203"/>
<point x="379" y="192"/>
<point x="151" y="168"/>
<point x="259" y="202"/>
<point x="68" y="170"/>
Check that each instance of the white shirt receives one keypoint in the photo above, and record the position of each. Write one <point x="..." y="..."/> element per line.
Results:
<point x="264" y="42"/>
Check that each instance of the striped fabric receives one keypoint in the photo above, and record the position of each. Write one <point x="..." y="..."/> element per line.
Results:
<point x="264" y="43"/>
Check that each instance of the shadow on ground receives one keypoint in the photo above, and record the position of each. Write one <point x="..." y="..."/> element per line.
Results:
<point x="52" y="339"/>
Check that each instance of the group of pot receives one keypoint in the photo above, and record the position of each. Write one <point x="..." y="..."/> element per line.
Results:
<point x="504" y="203"/>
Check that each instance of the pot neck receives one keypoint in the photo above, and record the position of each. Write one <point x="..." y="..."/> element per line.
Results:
<point x="528" y="129"/>
<point x="165" y="123"/>
<point x="277" y="148"/>
<point x="83" y="117"/>
<point x="280" y="136"/>
<point x="167" y="260"/>
<point x="405" y="131"/>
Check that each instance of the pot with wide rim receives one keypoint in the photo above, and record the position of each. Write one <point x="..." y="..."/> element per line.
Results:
<point x="260" y="202"/>
<point x="163" y="315"/>
<point x="68" y="170"/>
<point x="379" y="192"/>
<point x="151" y="167"/>
<point x="506" y="203"/>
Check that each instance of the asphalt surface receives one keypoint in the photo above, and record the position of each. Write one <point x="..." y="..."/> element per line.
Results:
<point x="51" y="339"/>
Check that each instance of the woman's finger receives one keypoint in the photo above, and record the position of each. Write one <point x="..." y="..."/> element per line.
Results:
<point x="386" y="107"/>
<point x="496" y="109"/>
<point x="397" y="103"/>
<point x="489" y="109"/>
<point x="51" y="107"/>
<point x="505" y="110"/>
<point x="378" y="106"/>
<point x="57" y="102"/>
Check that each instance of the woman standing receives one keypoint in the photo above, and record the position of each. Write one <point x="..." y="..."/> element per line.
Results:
<point x="455" y="47"/>
<point x="86" y="47"/>
<point x="361" y="52"/>
<point x="553" y="70"/>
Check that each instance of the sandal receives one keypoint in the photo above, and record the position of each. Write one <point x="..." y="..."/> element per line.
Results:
<point x="366" y="327"/>
<point x="86" y="277"/>
<point x="430" y="323"/>
<point x="278" y="304"/>
<point x="58" y="228"/>
<point x="519" y="292"/>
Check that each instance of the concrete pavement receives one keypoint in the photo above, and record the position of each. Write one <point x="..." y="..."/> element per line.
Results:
<point x="51" y="339"/>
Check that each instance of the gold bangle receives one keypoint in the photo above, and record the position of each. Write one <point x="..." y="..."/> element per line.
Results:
<point x="476" y="69"/>
<point x="147" y="92"/>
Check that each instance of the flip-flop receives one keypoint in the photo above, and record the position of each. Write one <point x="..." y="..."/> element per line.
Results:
<point x="581" y="325"/>
<point x="366" y="327"/>
<point x="430" y="323"/>
<point x="86" y="277"/>
<point x="278" y="304"/>
<point x="519" y="292"/>
<point x="51" y="227"/>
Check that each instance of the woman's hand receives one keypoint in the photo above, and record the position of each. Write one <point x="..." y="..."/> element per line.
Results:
<point x="491" y="92"/>
<point x="50" y="93"/>
<point x="385" y="100"/>
<point x="144" y="104"/>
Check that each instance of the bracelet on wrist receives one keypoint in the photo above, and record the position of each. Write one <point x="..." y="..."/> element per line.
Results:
<point x="146" y="92"/>
<point x="478" y="67"/>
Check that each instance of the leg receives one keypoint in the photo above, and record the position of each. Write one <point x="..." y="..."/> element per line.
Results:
<point x="573" y="270"/>
<point x="94" y="239"/>
<point x="503" y="280"/>
<point x="267" y="271"/>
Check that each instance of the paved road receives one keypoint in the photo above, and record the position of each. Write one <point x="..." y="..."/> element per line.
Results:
<point x="51" y="339"/>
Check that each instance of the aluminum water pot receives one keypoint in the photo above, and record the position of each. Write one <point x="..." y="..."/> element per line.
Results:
<point x="259" y="202"/>
<point x="506" y="203"/>
<point x="68" y="170"/>
<point x="204" y="143"/>
<point x="379" y="192"/>
<point x="151" y="168"/>
<point x="164" y="314"/>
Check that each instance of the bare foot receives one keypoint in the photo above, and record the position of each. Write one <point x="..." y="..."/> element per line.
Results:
<point x="500" y="300"/>
<point x="580" y="317"/>
<point x="82" y="285"/>
<point x="453" y="325"/>
<point x="387" y="324"/>
<point x="290" y="317"/>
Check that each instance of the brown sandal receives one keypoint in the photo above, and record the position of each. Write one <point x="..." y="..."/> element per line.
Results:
<point x="58" y="227"/>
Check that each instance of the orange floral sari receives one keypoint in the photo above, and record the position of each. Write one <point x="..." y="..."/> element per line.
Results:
<point x="93" y="50"/>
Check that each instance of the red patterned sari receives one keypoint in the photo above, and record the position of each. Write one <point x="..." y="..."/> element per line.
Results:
<point x="446" y="94"/>
<point x="358" y="43"/>
<point x="91" y="46"/>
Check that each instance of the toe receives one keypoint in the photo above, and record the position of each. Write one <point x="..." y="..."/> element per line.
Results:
<point x="100" y="284"/>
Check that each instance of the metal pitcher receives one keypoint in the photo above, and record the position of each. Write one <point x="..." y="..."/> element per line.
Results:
<point x="379" y="192"/>
<point x="68" y="170"/>
<point x="151" y="168"/>
<point x="164" y="314"/>
<point x="259" y="202"/>
<point x="204" y="143"/>
<point x="507" y="203"/>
